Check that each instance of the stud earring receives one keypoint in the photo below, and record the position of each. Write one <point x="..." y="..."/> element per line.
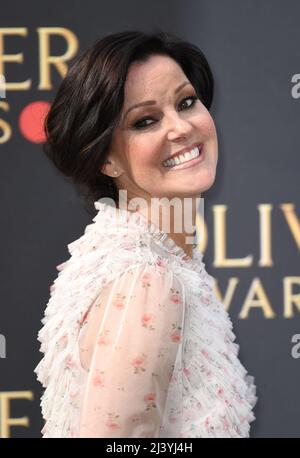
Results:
<point x="115" y="172"/>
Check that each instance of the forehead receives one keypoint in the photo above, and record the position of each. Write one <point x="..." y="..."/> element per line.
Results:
<point x="158" y="74"/>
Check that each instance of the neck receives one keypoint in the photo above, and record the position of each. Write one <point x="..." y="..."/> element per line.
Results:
<point x="178" y="221"/>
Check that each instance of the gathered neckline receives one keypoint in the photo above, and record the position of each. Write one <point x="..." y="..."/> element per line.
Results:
<point x="161" y="237"/>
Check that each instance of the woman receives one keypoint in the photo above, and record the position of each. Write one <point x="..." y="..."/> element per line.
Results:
<point x="135" y="341"/>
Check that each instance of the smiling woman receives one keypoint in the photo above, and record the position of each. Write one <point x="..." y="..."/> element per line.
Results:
<point x="135" y="341"/>
<point x="102" y="109"/>
<point x="180" y="131"/>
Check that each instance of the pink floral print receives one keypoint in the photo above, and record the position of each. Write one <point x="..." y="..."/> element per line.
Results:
<point x="144" y="325"/>
<point x="135" y="341"/>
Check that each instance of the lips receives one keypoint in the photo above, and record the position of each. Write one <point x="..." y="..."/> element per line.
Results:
<point x="185" y="150"/>
<point x="188" y="156"/>
<point x="189" y="163"/>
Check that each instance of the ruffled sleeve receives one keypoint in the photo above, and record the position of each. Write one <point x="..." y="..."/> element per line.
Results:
<point x="128" y="345"/>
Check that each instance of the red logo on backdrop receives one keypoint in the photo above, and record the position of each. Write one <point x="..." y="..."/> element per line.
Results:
<point x="31" y="121"/>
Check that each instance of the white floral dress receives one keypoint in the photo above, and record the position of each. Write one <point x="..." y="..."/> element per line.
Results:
<point x="135" y="342"/>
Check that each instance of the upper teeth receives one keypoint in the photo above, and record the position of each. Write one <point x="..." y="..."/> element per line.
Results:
<point x="182" y="158"/>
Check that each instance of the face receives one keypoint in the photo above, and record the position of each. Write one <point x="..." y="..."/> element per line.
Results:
<point x="149" y="134"/>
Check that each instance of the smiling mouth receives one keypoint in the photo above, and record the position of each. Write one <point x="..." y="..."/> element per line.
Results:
<point x="186" y="158"/>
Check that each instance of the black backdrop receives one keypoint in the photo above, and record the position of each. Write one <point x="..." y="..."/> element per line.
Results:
<point x="252" y="47"/>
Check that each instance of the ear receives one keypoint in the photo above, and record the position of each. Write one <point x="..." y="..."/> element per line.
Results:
<point x="111" y="169"/>
<point x="105" y="168"/>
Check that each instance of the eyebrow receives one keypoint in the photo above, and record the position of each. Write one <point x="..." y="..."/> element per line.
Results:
<point x="153" y="102"/>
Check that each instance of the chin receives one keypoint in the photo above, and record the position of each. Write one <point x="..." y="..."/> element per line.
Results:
<point x="203" y="186"/>
<point x="208" y="181"/>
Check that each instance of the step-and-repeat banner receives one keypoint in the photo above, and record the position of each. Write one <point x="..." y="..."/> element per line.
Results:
<point x="251" y="213"/>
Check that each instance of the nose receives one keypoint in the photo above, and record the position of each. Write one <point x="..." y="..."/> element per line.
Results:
<point x="178" y="127"/>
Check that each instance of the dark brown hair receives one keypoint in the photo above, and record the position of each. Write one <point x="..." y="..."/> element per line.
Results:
<point x="89" y="101"/>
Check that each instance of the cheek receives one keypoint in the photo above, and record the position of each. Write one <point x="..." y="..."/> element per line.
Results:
<point x="207" y="126"/>
<point x="145" y="154"/>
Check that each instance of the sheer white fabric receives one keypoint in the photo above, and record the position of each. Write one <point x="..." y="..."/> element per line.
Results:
<point x="135" y="341"/>
<point x="129" y="343"/>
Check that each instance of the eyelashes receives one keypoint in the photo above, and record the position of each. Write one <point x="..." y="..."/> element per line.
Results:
<point x="138" y="125"/>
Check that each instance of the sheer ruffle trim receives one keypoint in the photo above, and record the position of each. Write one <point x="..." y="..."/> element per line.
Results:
<point x="79" y="281"/>
<point x="210" y="393"/>
<point x="124" y="220"/>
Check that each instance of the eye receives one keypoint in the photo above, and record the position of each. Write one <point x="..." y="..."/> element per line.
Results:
<point x="193" y="98"/>
<point x="138" y="124"/>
